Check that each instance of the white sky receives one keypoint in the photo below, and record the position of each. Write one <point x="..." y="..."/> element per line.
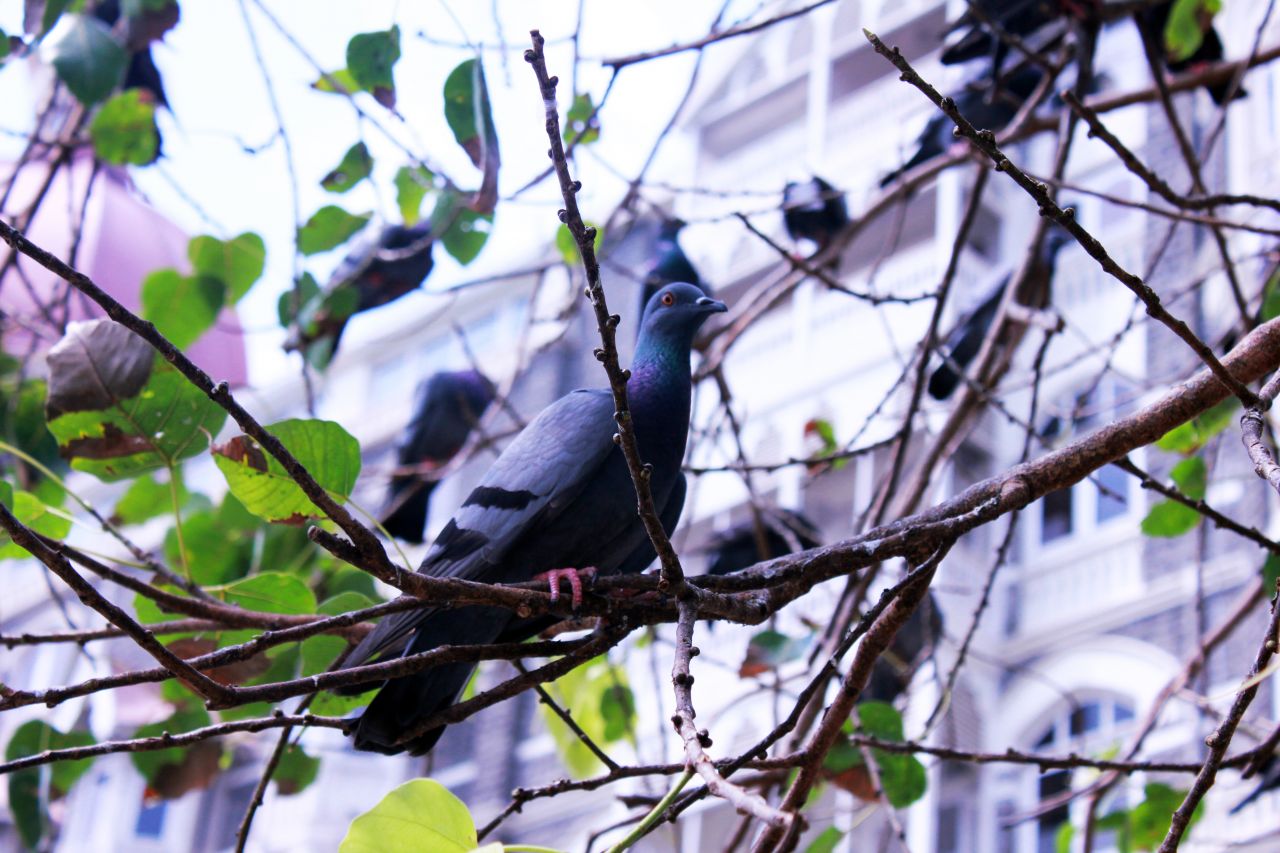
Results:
<point x="215" y="88"/>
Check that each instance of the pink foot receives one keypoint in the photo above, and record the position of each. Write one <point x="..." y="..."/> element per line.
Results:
<point x="573" y="576"/>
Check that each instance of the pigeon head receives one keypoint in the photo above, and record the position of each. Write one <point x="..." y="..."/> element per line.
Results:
<point x="676" y="312"/>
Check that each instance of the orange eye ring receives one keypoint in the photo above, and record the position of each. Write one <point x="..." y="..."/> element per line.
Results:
<point x="668" y="299"/>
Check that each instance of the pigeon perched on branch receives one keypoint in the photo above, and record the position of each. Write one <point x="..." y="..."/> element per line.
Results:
<point x="449" y="407"/>
<point x="558" y="502"/>
<point x="813" y="210"/>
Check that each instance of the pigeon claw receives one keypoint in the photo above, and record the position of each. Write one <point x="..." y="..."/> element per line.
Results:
<point x="573" y="576"/>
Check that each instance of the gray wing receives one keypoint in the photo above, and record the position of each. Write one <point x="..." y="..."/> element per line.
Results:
<point x="535" y="478"/>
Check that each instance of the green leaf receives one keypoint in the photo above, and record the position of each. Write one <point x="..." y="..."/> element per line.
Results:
<point x="147" y="498"/>
<point x="370" y="59"/>
<point x="271" y="592"/>
<point x="826" y="841"/>
<point x="328" y="228"/>
<point x="295" y="771"/>
<point x="183" y="307"/>
<point x="412" y="185"/>
<point x="53" y="10"/>
<point x="88" y="59"/>
<point x="31" y="790"/>
<point x="420" y="816"/>
<point x="1168" y="519"/>
<point x="880" y="719"/>
<point x="470" y="116"/>
<point x="215" y="553"/>
<point x="1149" y="820"/>
<point x="1189" y="437"/>
<point x="35" y="514"/>
<point x="1270" y="573"/>
<point x="237" y="262"/>
<point x="1183" y="32"/>
<point x="1062" y="839"/>
<point x="1271" y="297"/>
<point x="462" y="230"/>
<point x="124" y="130"/>
<point x="260" y="483"/>
<point x="618" y="710"/>
<point x="598" y="695"/>
<point x="1191" y="476"/>
<point x="568" y="246"/>
<point x="340" y="82"/>
<point x="307" y="289"/>
<point x="769" y="650"/>
<point x="356" y="165"/>
<point x="582" y="119"/>
<point x="902" y="776"/>
<point x="4" y="44"/>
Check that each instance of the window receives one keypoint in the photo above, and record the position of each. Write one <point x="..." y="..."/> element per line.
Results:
<point x="1055" y="519"/>
<point x="150" y="823"/>
<point x="1113" y="493"/>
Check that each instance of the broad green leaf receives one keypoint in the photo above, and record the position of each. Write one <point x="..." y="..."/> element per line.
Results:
<point x="1168" y="519"/>
<point x="332" y="705"/>
<point x="356" y="165"/>
<point x="306" y="290"/>
<point x="370" y="59"/>
<point x="1189" y="437"/>
<point x="6" y="495"/>
<point x="1191" y="476"/>
<point x="880" y="719"/>
<point x="902" y="776"/>
<point x="295" y="771"/>
<point x="35" y="514"/>
<point x="260" y="482"/>
<point x="4" y="44"/>
<point x="598" y="695"/>
<point x="328" y="228"/>
<point x="183" y="307"/>
<point x="581" y="120"/>
<point x="470" y="117"/>
<point x="215" y="553"/>
<point x="769" y="650"/>
<point x="1183" y="33"/>
<point x="53" y="10"/>
<point x="31" y="790"/>
<point x="22" y="424"/>
<point x="88" y="58"/>
<point x="271" y="592"/>
<point x="462" y="231"/>
<point x="237" y="262"/>
<point x="1063" y="838"/>
<point x="1149" y="819"/>
<point x="412" y="185"/>
<point x="165" y="422"/>
<point x="339" y="82"/>
<point x="124" y="130"/>
<point x="568" y="247"/>
<point x="147" y="498"/>
<point x="826" y="841"/>
<point x="1271" y="297"/>
<point x="420" y="816"/>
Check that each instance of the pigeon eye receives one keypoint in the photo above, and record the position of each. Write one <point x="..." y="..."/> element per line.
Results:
<point x="668" y="299"/>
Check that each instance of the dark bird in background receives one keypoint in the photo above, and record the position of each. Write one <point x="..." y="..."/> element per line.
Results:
<point x="141" y="73"/>
<point x="911" y="646"/>
<point x="1151" y="24"/>
<point x="668" y="263"/>
<point x="966" y="339"/>
<point x="985" y="110"/>
<point x="1268" y="780"/>
<point x="739" y="546"/>
<point x="813" y="210"/>
<point x="449" y="407"/>
<point x="374" y="273"/>
<point x="1016" y="17"/>
<point x="557" y="503"/>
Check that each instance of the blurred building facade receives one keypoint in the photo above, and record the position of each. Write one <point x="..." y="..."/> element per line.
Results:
<point x="1088" y="619"/>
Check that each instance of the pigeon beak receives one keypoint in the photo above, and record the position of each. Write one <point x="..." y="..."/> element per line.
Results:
<point x="712" y="306"/>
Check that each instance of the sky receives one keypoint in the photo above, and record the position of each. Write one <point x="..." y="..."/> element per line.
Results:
<point x="220" y="107"/>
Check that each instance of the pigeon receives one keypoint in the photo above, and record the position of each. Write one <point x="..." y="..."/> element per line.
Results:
<point x="1016" y="17"/>
<point x="738" y="547"/>
<point x="1151" y="23"/>
<point x="374" y="273"/>
<point x="813" y="210"/>
<point x="966" y="339"/>
<point x="983" y="110"/>
<point x="558" y="503"/>
<point x="449" y="407"/>
<point x="914" y="642"/>
<point x="669" y="263"/>
<point x="1269" y="780"/>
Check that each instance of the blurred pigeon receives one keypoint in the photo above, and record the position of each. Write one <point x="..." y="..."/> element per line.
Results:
<point x="449" y="407"/>
<point x="739" y="547"/>
<point x="1151" y="23"/>
<point x="376" y="272"/>
<point x="911" y="646"/>
<point x="813" y="210"/>
<point x="984" y="110"/>
<point x="966" y="339"/>
<point x="1269" y="780"/>
<point x="668" y="263"/>
<point x="1016" y="17"/>
<point x="557" y="503"/>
